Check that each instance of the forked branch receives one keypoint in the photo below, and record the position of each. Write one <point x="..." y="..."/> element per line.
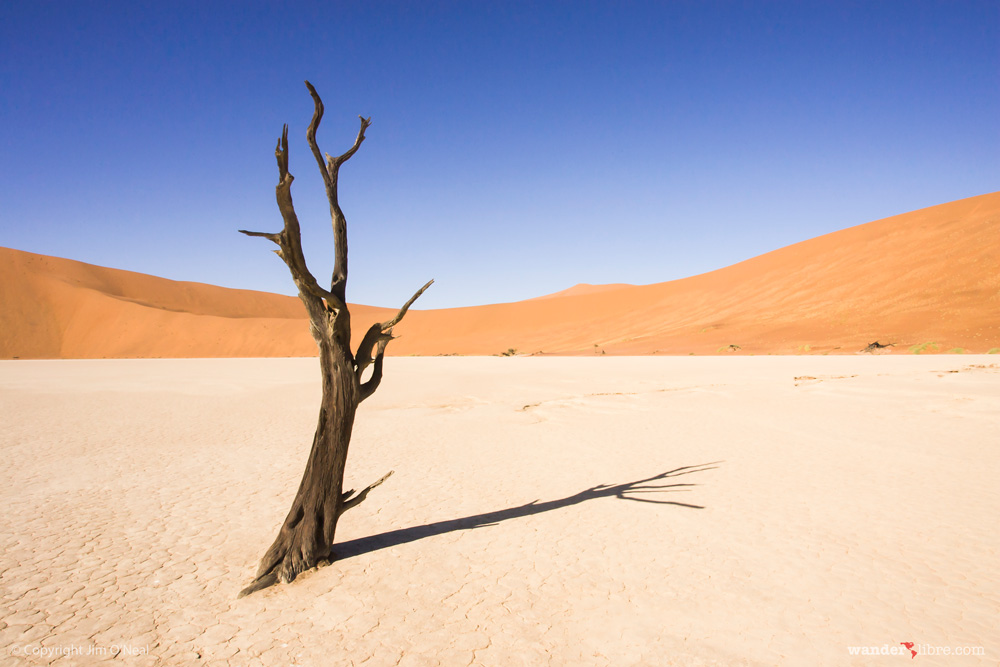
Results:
<point x="289" y="240"/>
<point x="330" y="170"/>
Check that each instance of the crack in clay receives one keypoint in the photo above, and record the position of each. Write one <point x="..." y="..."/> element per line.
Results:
<point x="564" y="399"/>
<point x="811" y="379"/>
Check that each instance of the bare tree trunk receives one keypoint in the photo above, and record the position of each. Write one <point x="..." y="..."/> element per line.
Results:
<point x="305" y="539"/>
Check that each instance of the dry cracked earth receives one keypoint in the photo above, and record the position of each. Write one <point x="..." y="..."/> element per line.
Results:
<point x="138" y="496"/>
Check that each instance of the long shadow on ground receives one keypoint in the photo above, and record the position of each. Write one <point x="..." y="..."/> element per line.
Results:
<point x="630" y="491"/>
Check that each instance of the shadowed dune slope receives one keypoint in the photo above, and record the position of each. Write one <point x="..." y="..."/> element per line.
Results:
<point x="929" y="276"/>
<point x="59" y="308"/>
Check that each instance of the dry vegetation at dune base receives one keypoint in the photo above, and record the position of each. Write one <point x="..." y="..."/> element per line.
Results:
<point x="561" y="511"/>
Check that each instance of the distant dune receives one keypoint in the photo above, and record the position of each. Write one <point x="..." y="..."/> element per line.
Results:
<point x="583" y="288"/>
<point x="929" y="278"/>
<point x="58" y="308"/>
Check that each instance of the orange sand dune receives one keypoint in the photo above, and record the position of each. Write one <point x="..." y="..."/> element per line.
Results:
<point x="929" y="276"/>
<point x="583" y="288"/>
<point x="59" y="308"/>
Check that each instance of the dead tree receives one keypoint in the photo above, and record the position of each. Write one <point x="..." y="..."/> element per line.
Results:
<point x="305" y="539"/>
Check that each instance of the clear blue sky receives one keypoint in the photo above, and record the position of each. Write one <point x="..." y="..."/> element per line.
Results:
<point x="516" y="148"/>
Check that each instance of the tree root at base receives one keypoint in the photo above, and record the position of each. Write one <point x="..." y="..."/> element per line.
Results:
<point x="304" y="542"/>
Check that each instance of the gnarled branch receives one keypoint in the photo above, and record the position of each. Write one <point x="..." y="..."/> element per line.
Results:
<point x="347" y="501"/>
<point x="311" y="134"/>
<point x="364" y="356"/>
<point x="334" y="163"/>
<point x="270" y="237"/>
<point x="369" y="387"/>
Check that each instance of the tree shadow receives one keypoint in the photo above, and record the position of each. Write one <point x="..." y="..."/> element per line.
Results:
<point x="629" y="491"/>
